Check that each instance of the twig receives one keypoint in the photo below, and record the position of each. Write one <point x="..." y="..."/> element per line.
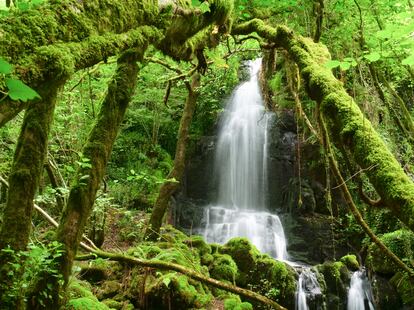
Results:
<point x="354" y="175"/>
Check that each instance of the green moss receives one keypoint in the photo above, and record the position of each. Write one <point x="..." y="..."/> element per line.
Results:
<point x="171" y="234"/>
<point x="274" y="279"/>
<point x="350" y="261"/>
<point x="198" y="243"/>
<point x="113" y="304"/>
<point x="405" y="288"/>
<point x="71" y="21"/>
<point x="84" y="303"/>
<point x="400" y="242"/>
<point x="242" y="252"/>
<point x="79" y="289"/>
<point x="176" y="289"/>
<point x="336" y="276"/>
<point x="223" y="268"/>
<point x="234" y="303"/>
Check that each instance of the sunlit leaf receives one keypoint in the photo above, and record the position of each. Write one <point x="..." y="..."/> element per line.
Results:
<point x="344" y="65"/>
<point x="204" y="7"/>
<point x="332" y="64"/>
<point x="372" y="57"/>
<point x="5" y="67"/>
<point x="409" y="61"/>
<point x="20" y="91"/>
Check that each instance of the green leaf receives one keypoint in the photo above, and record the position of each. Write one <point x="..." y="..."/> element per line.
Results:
<point x="166" y="281"/>
<point x="195" y="2"/>
<point x="344" y="65"/>
<point x="332" y="64"/>
<point x="5" y="67"/>
<point x="372" y="57"/>
<point x="409" y="61"/>
<point x="20" y="91"/>
<point x="204" y="7"/>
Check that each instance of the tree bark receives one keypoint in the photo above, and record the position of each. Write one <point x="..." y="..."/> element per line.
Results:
<point x="24" y="179"/>
<point x="345" y="121"/>
<point x="98" y="149"/>
<point x="170" y="186"/>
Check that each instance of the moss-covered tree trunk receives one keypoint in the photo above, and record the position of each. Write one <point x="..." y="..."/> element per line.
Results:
<point x="170" y="186"/>
<point x="98" y="149"/>
<point x="345" y="121"/>
<point x="24" y="179"/>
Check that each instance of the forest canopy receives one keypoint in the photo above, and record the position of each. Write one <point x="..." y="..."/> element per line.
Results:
<point x="103" y="108"/>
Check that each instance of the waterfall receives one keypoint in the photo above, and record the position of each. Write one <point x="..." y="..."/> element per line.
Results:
<point x="360" y="293"/>
<point x="241" y="170"/>
<point x="308" y="291"/>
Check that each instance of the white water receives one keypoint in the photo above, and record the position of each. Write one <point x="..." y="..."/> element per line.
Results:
<point x="241" y="170"/>
<point x="360" y="293"/>
<point x="307" y="288"/>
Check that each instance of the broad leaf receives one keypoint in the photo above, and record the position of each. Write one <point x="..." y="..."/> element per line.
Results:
<point x="204" y="7"/>
<point x="344" y="65"/>
<point x="374" y="56"/>
<point x="5" y="67"/>
<point x="332" y="64"/>
<point x="409" y="61"/>
<point x="20" y="91"/>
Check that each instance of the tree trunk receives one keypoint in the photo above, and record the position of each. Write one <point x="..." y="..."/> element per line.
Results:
<point x="83" y="192"/>
<point x="170" y="186"/>
<point x="24" y="179"/>
<point x="345" y="121"/>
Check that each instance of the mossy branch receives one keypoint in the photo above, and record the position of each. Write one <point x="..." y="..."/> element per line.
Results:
<point x="357" y="215"/>
<point x="190" y="273"/>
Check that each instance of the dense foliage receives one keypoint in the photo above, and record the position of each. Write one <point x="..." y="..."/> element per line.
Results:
<point x="371" y="53"/>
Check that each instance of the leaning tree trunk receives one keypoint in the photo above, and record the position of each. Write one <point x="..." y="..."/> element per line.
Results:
<point x="83" y="192"/>
<point x="24" y="179"/>
<point x="345" y="121"/>
<point x="170" y="186"/>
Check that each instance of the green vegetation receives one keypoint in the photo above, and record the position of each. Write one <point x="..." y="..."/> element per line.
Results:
<point x="96" y="129"/>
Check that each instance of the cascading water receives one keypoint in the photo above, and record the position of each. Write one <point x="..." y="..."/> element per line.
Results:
<point x="360" y="292"/>
<point x="240" y="165"/>
<point x="308" y="291"/>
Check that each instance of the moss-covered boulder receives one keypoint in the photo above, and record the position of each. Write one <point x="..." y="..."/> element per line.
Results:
<point x="243" y="253"/>
<point x="234" y="303"/>
<point x="274" y="279"/>
<point x="350" y="261"/>
<point x="203" y="248"/>
<point x="336" y="277"/>
<point x="85" y="303"/>
<point x="223" y="267"/>
<point x="80" y="297"/>
<point x="176" y="289"/>
<point x="400" y="242"/>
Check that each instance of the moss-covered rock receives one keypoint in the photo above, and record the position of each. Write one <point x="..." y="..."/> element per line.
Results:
<point x="78" y="289"/>
<point x="223" y="267"/>
<point x="274" y="279"/>
<point x="199" y="244"/>
<point x="175" y="289"/>
<point x="109" y="289"/>
<point x="400" y="242"/>
<point x="243" y="253"/>
<point x="336" y="276"/>
<point x="85" y="303"/>
<point x="234" y="303"/>
<point x="81" y="297"/>
<point x="350" y="261"/>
